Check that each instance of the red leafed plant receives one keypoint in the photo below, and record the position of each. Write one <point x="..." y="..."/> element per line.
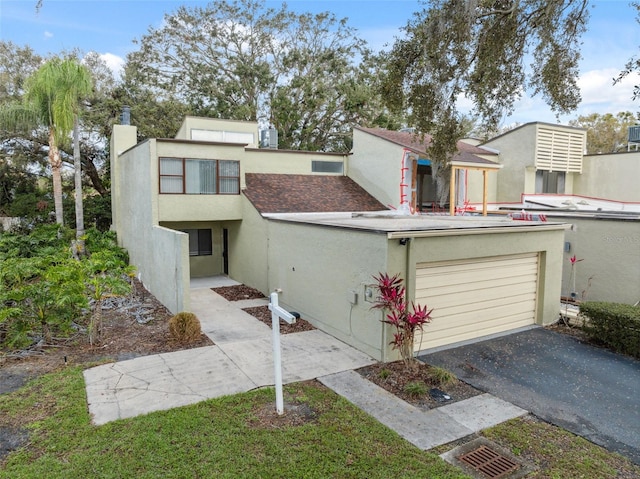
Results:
<point x="405" y="320"/>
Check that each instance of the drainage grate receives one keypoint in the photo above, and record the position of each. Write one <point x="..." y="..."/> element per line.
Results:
<point x="489" y="462"/>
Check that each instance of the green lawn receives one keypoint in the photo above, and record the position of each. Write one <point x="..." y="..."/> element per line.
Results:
<point x="216" y="438"/>
<point x="226" y="438"/>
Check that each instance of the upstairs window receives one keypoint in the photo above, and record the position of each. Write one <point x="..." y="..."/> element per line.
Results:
<point x="199" y="177"/>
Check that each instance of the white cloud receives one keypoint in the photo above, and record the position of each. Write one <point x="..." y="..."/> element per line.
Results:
<point x="48" y="34"/>
<point x="598" y="91"/>
<point x="114" y="62"/>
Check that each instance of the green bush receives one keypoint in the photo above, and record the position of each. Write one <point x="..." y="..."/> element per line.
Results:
<point x="616" y="325"/>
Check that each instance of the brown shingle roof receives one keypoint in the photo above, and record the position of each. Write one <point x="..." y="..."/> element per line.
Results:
<point x="271" y="193"/>
<point x="466" y="152"/>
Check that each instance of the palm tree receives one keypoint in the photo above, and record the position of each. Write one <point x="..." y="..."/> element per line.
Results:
<point x="53" y="94"/>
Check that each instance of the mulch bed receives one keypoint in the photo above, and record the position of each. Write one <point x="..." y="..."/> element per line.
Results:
<point x="395" y="376"/>
<point x="263" y="314"/>
<point x="238" y="293"/>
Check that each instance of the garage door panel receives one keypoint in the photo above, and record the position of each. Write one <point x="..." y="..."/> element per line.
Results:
<point x="492" y="262"/>
<point x="474" y="298"/>
<point x="442" y="310"/>
<point x="485" y="274"/>
<point x="491" y="288"/>
<point x="433" y="338"/>
<point x="471" y="319"/>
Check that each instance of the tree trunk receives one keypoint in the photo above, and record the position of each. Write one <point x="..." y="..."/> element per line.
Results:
<point x="56" y="176"/>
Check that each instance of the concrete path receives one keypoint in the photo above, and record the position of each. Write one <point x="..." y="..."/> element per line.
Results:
<point x="424" y="429"/>
<point x="589" y="391"/>
<point x="242" y="360"/>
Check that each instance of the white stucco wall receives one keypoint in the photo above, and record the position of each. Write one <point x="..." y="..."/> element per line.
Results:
<point x="613" y="177"/>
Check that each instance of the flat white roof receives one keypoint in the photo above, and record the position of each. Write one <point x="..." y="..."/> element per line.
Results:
<point x="394" y="223"/>
<point x="579" y="203"/>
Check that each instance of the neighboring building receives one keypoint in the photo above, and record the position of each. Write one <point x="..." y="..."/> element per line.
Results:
<point x="537" y="158"/>
<point x="394" y="166"/>
<point x="211" y="202"/>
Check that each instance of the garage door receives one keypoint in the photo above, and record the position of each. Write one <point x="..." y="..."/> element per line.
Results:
<point x="475" y="298"/>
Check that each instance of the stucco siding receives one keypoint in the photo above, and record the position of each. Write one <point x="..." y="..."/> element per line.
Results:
<point x="248" y="243"/>
<point x="614" y="177"/>
<point x="161" y="256"/>
<point x="319" y="269"/>
<point x="376" y="166"/>
<point x="609" y="254"/>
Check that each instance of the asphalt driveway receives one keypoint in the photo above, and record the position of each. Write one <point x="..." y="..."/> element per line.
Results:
<point x="589" y="391"/>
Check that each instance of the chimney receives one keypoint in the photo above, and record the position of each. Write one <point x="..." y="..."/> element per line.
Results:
<point x="125" y="116"/>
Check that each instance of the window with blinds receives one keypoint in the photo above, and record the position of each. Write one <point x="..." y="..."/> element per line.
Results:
<point x="199" y="177"/>
<point x="558" y="150"/>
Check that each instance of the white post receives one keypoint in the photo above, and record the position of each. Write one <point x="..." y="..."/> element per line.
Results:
<point x="276" y="313"/>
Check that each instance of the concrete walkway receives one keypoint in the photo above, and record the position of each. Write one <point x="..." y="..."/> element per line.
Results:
<point x="242" y="360"/>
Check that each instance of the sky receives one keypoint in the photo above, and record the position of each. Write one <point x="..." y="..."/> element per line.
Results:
<point x="110" y="26"/>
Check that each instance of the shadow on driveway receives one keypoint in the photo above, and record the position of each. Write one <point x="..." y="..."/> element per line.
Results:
<point x="589" y="391"/>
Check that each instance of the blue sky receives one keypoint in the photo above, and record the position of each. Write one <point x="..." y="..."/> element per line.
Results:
<point x="108" y="27"/>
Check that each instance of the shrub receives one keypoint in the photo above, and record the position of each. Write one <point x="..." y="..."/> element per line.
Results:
<point x="416" y="388"/>
<point x="185" y="327"/>
<point x="615" y="324"/>
<point x="441" y="376"/>
<point x="392" y="298"/>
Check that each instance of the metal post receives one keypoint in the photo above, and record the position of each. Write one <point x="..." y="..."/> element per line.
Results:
<point x="276" y="313"/>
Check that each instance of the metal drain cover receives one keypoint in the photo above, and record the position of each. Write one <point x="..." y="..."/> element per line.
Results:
<point x="488" y="462"/>
<point x="484" y="459"/>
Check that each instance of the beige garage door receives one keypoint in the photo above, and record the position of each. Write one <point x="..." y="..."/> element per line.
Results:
<point x="475" y="298"/>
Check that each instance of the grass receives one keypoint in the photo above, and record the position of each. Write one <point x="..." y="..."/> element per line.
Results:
<point x="416" y="388"/>
<point x="220" y="438"/>
<point x="225" y="438"/>
<point x="558" y="453"/>
<point x="442" y="376"/>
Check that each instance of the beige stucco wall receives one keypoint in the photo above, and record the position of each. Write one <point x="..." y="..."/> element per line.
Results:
<point x="160" y="255"/>
<point x="610" y="254"/>
<point x="319" y="268"/>
<point x="475" y="186"/>
<point x="613" y="176"/>
<point x="517" y="155"/>
<point x="248" y="243"/>
<point x="375" y="165"/>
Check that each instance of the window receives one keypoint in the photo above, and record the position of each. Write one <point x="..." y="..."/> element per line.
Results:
<point x="326" y="166"/>
<point x="550" y="181"/>
<point x="199" y="177"/>
<point x="200" y="242"/>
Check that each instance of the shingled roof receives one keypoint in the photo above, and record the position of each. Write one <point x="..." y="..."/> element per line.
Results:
<point x="272" y="193"/>
<point x="466" y="153"/>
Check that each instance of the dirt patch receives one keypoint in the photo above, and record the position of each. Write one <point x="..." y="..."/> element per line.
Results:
<point x="137" y="325"/>
<point x="417" y="384"/>
<point x="238" y="293"/>
<point x="263" y="314"/>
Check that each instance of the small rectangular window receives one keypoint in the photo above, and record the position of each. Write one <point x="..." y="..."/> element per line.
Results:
<point x="318" y="166"/>
<point x="200" y="243"/>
